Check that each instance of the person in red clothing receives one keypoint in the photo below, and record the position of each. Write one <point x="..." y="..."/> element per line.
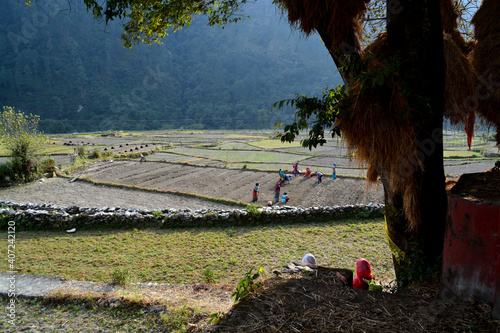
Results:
<point x="255" y="193"/>
<point x="308" y="173"/>
<point x="363" y="274"/>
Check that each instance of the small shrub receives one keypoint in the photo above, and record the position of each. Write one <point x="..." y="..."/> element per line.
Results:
<point x="216" y="317"/>
<point x="231" y="232"/>
<point x="20" y="136"/>
<point x="413" y="270"/>
<point x="244" y="166"/>
<point x="247" y="284"/>
<point x="96" y="154"/>
<point x="120" y="276"/>
<point x="252" y="210"/>
<point x="209" y="275"/>
<point x="78" y="163"/>
<point x="177" y="319"/>
<point x="48" y="164"/>
<point x="157" y="213"/>
<point x="81" y="151"/>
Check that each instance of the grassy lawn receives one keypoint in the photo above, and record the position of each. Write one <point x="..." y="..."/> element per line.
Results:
<point x="191" y="255"/>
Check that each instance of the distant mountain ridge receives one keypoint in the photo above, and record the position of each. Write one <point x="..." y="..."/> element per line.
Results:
<point x="58" y="62"/>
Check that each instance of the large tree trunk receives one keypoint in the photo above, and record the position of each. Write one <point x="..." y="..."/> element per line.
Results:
<point x="414" y="33"/>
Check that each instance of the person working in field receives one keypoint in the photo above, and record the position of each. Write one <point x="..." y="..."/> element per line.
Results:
<point x="277" y="190"/>
<point x="334" y="171"/>
<point x="280" y="181"/>
<point x="308" y="173"/>
<point x="296" y="169"/>
<point x="320" y="175"/>
<point x="285" y="198"/>
<point x="255" y="193"/>
<point x="282" y="176"/>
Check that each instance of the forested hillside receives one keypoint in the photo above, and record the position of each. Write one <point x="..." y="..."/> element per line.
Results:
<point x="56" y="61"/>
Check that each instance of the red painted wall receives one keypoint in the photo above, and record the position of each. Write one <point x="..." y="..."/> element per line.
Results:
<point x="471" y="257"/>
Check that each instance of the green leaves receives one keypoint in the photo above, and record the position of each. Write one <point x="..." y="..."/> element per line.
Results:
<point x="150" y="20"/>
<point x="247" y="284"/>
<point x="317" y="113"/>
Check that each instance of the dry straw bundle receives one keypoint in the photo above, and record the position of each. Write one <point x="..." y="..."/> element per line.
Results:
<point x="378" y="127"/>
<point x="487" y="62"/>
<point x="379" y="124"/>
<point x="339" y="17"/>
<point x="459" y="87"/>
<point x="450" y="23"/>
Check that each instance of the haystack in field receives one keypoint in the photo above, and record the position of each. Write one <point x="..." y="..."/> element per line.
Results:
<point x="339" y="17"/>
<point x="380" y="126"/>
<point x="486" y="59"/>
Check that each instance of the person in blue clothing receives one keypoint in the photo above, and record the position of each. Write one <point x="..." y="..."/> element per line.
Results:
<point x="285" y="198"/>
<point x="286" y="178"/>
<point x="334" y="171"/>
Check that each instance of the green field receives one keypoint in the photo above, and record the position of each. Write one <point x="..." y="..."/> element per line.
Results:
<point x="189" y="255"/>
<point x="240" y="156"/>
<point x="271" y="144"/>
<point x="460" y="154"/>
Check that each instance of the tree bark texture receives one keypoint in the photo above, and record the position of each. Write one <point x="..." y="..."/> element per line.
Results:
<point x="415" y="35"/>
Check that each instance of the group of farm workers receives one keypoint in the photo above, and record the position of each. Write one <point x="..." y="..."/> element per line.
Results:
<point x="363" y="280"/>
<point x="277" y="189"/>
<point x="286" y="178"/>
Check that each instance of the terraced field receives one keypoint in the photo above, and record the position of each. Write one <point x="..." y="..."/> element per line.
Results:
<point x="226" y="164"/>
<point x="235" y="184"/>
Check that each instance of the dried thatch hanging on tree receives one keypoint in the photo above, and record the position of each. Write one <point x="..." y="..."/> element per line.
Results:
<point x="341" y="17"/>
<point x="486" y="60"/>
<point x="460" y="82"/>
<point x="379" y="125"/>
<point x="450" y="23"/>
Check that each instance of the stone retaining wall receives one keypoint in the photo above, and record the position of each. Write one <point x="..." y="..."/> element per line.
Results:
<point x="51" y="217"/>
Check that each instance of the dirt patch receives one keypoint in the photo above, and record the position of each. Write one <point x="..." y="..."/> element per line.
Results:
<point x="61" y="192"/>
<point x="217" y="297"/>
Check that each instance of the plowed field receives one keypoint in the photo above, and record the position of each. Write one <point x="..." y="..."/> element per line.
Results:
<point x="234" y="184"/>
